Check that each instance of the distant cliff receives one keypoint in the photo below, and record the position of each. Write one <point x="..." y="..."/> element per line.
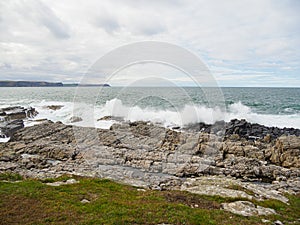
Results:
<point x="45" y="84"/>
<point x="29" y="84"/>
<point x="86" y="85"/>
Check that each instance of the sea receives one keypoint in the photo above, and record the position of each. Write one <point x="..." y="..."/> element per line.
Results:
<point x="168" y="106"/>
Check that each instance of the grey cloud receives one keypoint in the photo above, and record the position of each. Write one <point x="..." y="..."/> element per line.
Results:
<point x="109" y="24"/>
<point x="26" y="13"/>
<point x="6" y="66"/>
<point x="151" y="29"/>
<point x="154" y="4"/>
<point x="54" y="24"/>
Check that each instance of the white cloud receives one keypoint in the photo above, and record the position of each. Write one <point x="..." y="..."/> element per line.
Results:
<point x="242" y="39"/>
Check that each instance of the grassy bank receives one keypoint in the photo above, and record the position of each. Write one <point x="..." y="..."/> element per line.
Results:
<point x="33" y="202"/>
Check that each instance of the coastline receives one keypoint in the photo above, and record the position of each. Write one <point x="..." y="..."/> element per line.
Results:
<point x="200" y="159"/>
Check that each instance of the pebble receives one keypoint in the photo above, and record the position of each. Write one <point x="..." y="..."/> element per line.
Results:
<point x="84" y="201"/>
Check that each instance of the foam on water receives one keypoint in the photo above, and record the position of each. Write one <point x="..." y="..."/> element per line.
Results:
<point x="187" y="114"/>
<point x="183" y="116"/>
<point x="199" y="113"/>
<point x="3" y="140"/>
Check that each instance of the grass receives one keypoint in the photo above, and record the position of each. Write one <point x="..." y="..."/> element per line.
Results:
<point x="34" y="202"/>
<point x="10" y="177"/>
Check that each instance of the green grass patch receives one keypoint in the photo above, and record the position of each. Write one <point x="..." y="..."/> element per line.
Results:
<point x="287" y="213"/>
<point x="10" y="177"/>
<point x="34" y="202"/>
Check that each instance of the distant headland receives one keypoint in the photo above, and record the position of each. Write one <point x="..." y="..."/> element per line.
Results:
<point x="45" y="84"/>
<point x="86" y="85"/>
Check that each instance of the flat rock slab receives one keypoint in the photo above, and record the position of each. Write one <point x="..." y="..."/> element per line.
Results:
<point x="245" y="208"/>
<point x="224" y="187"/>
<point x="215" y="190"/>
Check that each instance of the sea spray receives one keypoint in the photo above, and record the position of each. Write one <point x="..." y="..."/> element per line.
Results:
<point x="167" y="117"/>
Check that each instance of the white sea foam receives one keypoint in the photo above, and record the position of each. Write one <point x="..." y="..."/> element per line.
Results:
<point x="188" y="114"/>
<point x="3" y="140"/>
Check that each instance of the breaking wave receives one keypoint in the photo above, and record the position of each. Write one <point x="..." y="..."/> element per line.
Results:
<point x="91" y="115"/>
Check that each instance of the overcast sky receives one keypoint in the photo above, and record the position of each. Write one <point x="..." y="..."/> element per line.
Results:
<point x="243" y="43"/>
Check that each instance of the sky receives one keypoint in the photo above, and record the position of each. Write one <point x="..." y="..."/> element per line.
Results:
<point x="242" y="42"/>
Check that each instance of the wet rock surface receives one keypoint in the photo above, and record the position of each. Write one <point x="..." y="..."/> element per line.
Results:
<point x="75" y="119"/>
<point x="244" y="129"/>
<point x="54" y="107"/>
<point x="150" y="156"/>
<point x="11" y="119"/>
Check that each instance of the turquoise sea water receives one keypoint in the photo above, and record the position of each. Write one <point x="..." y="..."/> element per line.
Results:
<point x="166" y="105"/>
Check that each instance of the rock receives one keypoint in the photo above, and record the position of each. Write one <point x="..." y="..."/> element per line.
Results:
<point x="116" y="118"/>
<point x="59" y="183"/>
<point x="40" y="120"/>
<point x="12" y="119"/>
<point x="214" y="190"/>
<point x="198" y="127"/>
<point x="105" y="118"/>
<point x="222" y="186"/>
<point x="75" y="119"/>
<point x="8" y="128"/>
<point x="18" y="113"/>
<point x="242" y="129"/>
<point x="265" y="221"/>
<point x="278" y="222"/>
<point x="141" y="190"/>
<point x="267" y="138"/>
<point x="150" y="156"/>
<point x="55" y="107"/>
<point x="245" y="208"/>
<point x="286" y="151"/>
<point x="171" y="140"/>
<point x="84" y="201"/>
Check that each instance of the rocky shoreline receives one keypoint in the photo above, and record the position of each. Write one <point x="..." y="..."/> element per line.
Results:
<point x="203" y="159"/>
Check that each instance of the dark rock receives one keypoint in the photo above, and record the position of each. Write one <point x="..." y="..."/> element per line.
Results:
<point x="198" y="127"/>
<point x="55" y="107"/>
<point x="116" y="118"/>
<point x="18" y="112"/>
<point x="8" y="128"/>
<point x="249" y="131"/>
<point x="12" y="119"/>
<point x="2" y="113"/>
<point x="75" y="119"/>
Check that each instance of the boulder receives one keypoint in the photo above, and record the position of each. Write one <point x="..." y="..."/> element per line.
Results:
<point x="286" y="152"/>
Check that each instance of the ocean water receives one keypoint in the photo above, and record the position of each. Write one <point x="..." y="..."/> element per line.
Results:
<point x="169" y="106"/>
